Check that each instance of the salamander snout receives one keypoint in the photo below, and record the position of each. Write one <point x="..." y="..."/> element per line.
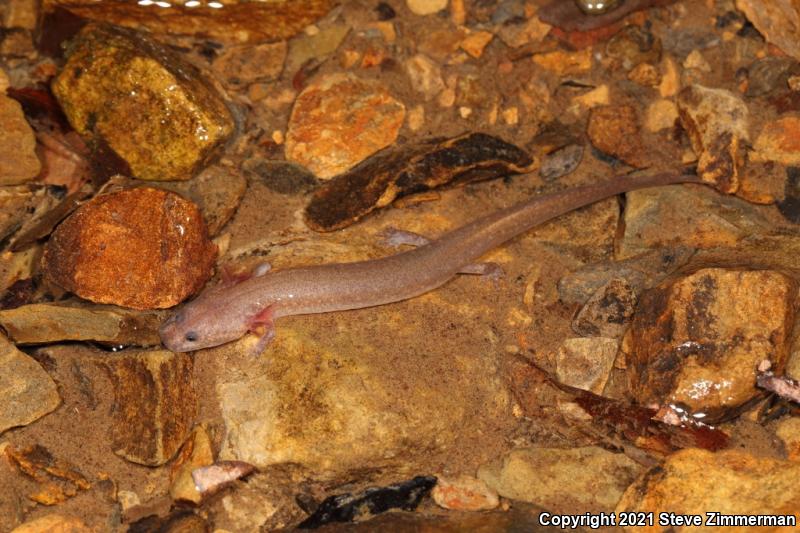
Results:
<point x="175" y="335"/>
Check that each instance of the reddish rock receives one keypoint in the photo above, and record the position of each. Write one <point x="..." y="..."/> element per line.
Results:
<point x="698" y="341"/>
<point x="18" y="161"/>
<point x="779" y="141"/>
<point x="464" y="493"/>
<point x="615" y="130"/>
<point x="339" y="120"/>
<point x="143" y="248"/>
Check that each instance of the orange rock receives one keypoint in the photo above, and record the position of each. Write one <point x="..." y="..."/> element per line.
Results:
<point x="615" y="130"/>
<point x="464" y="493"/>
<point x="779" y="141"/>
<point x="339" y="120"/>
<point x="143" y="248"/>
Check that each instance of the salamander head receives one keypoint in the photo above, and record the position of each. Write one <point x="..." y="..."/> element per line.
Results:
<point x="198" y="326"/>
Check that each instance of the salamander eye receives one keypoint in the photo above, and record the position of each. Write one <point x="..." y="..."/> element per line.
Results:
<point x="191" y="336"/>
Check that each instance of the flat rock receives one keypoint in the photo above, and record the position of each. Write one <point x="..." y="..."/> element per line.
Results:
<point x="717" y="122"/>
<point x="776" y="20"/>
<point x="129" y="94"/>
<point x="694" y="482"/>
<point x="608" y="312"/>
<point x="143" y="248"/>
<point x="338" y="120"/>
<point x="18" y="160"/>
<point x="156" y="400"/>
<point x="27" y="392"/>
<point x="54" y="322"/>
<point x="779" y="141"/>
<point x="697" y="341"/>
<point x="576" y="480"/>
<point x="585" y="363"/>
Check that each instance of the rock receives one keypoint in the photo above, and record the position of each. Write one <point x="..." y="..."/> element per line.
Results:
<point x="788" y="430"/>
<point x="615" y="130"/>
<point x="776" y="20"/>
<point x="281" y="176"/>
<point x="693" y="216"/>
<point x="18" y="266"/>
<point x="15" y="206"/>
<point x="696" y="61"/>
<point x="27" y="392"/>
<point x="561" y="162"/>
<point x="425" y="75"/>
<point x="54" y="322"/>
<point x="156" y="400"/>
<point x="21" y="14"/>
<point x="475" y="42"/>
<point x="645" y="74"/>
<point x="245" y="64"/>
<point x="770" y="74"/>
<point x="143" y="248"/>
<point x="595" y="97"/>
<point x="326" y="130"/>
<point x="317" y="401"/>
<point x="661" y="115"/>
<point x="318" y="46"/>
<point x="195" y="453"/>
<point x="576" y="480"/>
<point x="266" y="502"/>
<point x="779" y="141"/>
<point x="50" y="480"/>
<point x="697" y="341"/>
<point x="694" y="482"/>
<point x="426" y="7"/>
<point x="127" y="93"/>
<point x="54" y="523"/>
<point x="518" y="31"/>
<point x="717" y="123"/>
<point x="766" y="183"/>
<point x="670" y="78"/>
<point x="464" y="493"/>
<point x="217" y="191"/>
<point x="585" y="363"/>
<point x="632" y="46"/>
<point x="18" y="160"/>
<point x="565" y="63"/>
<point x="608" y="312"/>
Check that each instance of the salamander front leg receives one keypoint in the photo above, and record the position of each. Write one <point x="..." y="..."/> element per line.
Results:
<point x="397" y="237"/>
<point x="263" y="327"/>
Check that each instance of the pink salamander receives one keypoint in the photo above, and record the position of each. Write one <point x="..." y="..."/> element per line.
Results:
<point x="228" y="311"/>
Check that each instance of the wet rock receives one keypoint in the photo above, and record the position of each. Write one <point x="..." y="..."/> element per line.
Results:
<point x="661" y="115"/>
<point x="412" y="168"/>
<point x="18" y="160"/>
<point x="615" y="130"/>
<point x="196" y="452"/>
<point x="632" y="46"/>
<point x="576" y="480"/>
<point x="565" y="63"/>
<point x="142" y="248"/>
<point x="267" y="502"/>
<point x="779" y="141"/>
<point x="54" y="523"/>
<point x="217" y="191"/>
<point x="788" y="430"/>
<point x="464" y="493"/>
<point x="238" y="23"/>
<point x="246" y="64"/>
<point x="156" y="404"/>
<point x="608" y="312"/>
<point x="426" y="7"/>
<point x="702" y="218"/>
<point x="321" y="404"/>
<point x="54" y="322"/>
<point x="373" y="501"/>
<point x="317" y="46"/>
<point x="585" y="363"/>
<point x="776" y="20"/>
<point x="27" y="392"/>
<point x="717" y="123"/>
<point x="128" y="94"/>
<point x="561" y="162"/>
<point x="425" y="75"/>
<point x="694" y="482"/>
<point x="326" y="132"/>
<point x="280" y="176"/>
<point x="697" y="341"/>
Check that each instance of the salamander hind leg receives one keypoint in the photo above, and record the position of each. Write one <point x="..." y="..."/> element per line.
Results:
<point x="261" y="324"/>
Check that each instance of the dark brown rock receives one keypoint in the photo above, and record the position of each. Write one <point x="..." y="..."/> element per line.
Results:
<point x="142" y="248"/>
<point x="155" y="404"/>
<point x="697" y="342"/>
<point x="608" y="312"/>
<point x="131" y="95"/>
